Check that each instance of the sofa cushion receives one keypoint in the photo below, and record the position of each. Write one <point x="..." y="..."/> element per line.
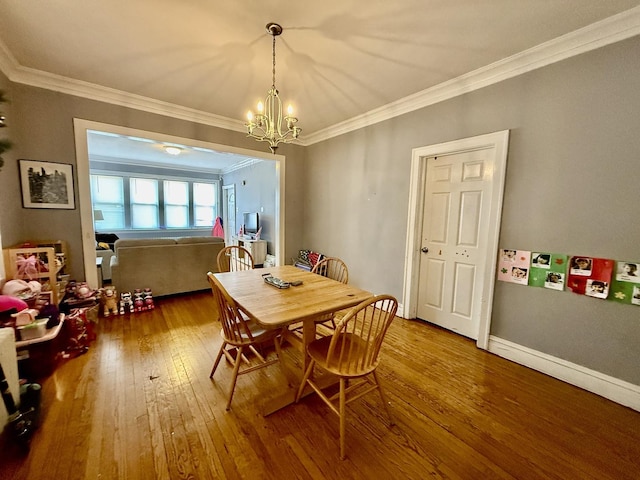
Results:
<point x="191" y="240"/>
<point x="143" y="242"/>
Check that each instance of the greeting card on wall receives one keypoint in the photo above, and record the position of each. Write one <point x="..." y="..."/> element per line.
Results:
<point x="513" y="266"/>
<point x="590" y="276"/>
<point x="548" y="270"/>
<point x="625" y="287"/>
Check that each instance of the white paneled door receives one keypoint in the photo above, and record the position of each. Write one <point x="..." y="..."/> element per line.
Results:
<point x="229" y="213"/>
<point x="454" y="247"/>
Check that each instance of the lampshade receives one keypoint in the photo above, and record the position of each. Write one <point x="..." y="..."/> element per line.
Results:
<point x="172" y="149"/>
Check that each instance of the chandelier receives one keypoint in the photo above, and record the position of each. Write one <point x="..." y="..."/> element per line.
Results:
<point x="269" y="124"/>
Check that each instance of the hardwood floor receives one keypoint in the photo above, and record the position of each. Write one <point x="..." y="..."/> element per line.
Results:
<point x="140" y="405"/>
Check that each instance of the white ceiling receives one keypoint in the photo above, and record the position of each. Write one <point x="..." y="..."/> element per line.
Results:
<point x="337" y="60"/>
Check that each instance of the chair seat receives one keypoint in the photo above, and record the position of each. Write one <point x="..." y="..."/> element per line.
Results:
<point x="318" y="350"/>
<point x="260" y="334"/>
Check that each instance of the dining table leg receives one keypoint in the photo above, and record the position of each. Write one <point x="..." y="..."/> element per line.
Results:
<point x="308" y="336"/>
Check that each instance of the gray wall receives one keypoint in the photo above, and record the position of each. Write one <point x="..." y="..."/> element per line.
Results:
<point x="10" y="194"/>
<point x="572" y="187"/>
<point x="256" y="187"/>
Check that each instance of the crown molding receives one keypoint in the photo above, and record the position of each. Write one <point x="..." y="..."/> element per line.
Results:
<point x="610" y="30"/>
<point x="58" y="83"/>
<point x="130" y="162"/>
<point x="240" y="165"/>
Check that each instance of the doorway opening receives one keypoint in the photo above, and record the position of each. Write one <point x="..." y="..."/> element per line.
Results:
<point x="81" y="131"/>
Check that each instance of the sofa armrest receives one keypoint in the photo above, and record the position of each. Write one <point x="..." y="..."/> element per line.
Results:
<point x="106" y="256"/>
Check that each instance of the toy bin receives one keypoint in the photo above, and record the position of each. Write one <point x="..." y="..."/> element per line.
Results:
<point x="34" y="330"/>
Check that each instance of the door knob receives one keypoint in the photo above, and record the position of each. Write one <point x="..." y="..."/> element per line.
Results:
<point x="424" y="250"/>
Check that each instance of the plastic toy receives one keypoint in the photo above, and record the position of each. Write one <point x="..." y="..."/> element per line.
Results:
<point x="138" y="300"/>
<point x="148" y="299"/>
<point x="126" y="303"/>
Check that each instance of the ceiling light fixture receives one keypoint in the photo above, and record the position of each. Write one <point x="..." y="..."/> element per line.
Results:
<point x="267" y="124"/>
<point x="172" y="150"/>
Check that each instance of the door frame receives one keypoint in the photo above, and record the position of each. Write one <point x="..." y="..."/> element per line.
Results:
<point x="498" y="141"/>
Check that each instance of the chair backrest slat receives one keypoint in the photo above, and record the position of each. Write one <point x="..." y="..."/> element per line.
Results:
<point x="332" y="267"/>
<point x="234" y="258"/>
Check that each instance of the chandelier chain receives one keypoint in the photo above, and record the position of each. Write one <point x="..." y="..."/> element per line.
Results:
<point x="274" y="64"/>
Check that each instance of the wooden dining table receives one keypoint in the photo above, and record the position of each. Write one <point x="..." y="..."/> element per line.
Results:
<point x="273" y="307"/>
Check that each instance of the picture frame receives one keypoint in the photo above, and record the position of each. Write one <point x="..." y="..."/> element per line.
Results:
<point x="46" y="184"/>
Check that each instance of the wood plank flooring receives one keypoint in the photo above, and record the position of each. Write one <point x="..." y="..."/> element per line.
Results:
<point x="140" y="405"/>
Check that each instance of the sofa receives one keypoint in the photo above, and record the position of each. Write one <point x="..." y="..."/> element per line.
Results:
<point x="165" y="265"/>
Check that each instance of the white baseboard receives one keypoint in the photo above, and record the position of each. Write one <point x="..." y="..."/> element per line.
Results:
<point x="619" y="391"/>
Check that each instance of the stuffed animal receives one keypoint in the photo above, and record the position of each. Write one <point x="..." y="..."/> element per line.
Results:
<point x="148" y="299"/>
<point x="109" y="298"/>
<point x="126" y="303"/>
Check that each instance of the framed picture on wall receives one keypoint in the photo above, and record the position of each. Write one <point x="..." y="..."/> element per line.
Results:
<point x="46" y="184"/>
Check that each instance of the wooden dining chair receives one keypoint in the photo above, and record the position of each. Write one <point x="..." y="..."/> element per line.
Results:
<point x="336" y="269"/>
<point x="241" y="334"/>
<point x="352" y="354"/>
<point x="332" y="267"/>
<point x="234" y="258"/>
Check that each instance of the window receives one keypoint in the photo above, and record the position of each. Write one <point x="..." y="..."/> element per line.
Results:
<point x="108" y="196"/>
<point x="176" y="204"/>
<point x="144" y="203"/>
<point x="204" y="204"/>
<point x="152" y="202"/>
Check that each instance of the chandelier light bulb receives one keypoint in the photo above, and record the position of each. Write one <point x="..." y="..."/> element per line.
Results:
<point x="260" y="107"/>
<point x="289" y="110"/>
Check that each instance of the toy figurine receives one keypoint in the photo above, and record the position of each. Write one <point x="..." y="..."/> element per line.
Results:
<point x="126" y="303"/>
<point x="148" y="299"/>
<point x="109" y="298"/>
<point x="138" y="300"/>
